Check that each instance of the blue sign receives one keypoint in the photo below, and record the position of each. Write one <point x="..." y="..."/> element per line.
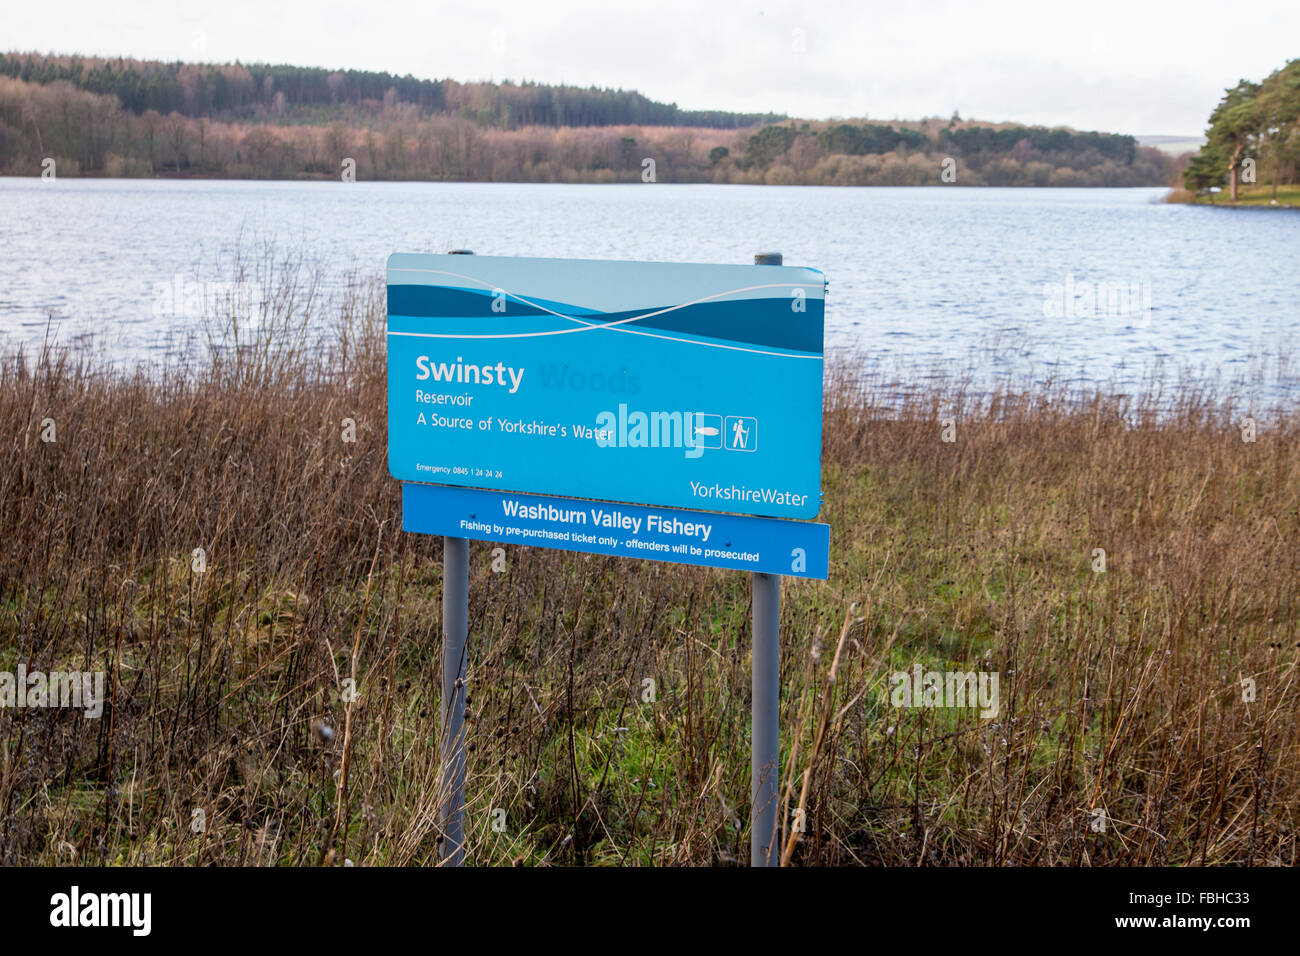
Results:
<point x="793" y="548"/>
<point x="677" y="385"/>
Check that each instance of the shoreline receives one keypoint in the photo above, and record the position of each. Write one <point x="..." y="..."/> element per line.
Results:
<point x="103" y="177"/>
<point x="1249" y="197"/>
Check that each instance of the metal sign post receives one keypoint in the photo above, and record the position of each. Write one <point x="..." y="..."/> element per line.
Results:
<point x="455" y="633"/>
<point x="765" y="666"/>
<point x="519" y="411"/>
<point x="765" y="758"/>
<point x="455" y="630"/>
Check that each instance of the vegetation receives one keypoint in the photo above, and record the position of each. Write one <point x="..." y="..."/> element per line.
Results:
<point x="228" y="737"/>
<point x="1254" y="137"/>
<point x="1263" y="196"/>
<point x="235" y="92"/>
<point x="934" y="152"/>
<point x="138" y="118"/>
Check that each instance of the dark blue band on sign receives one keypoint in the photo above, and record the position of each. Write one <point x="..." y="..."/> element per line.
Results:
<point x="755" y="321"/>
<point x="798" y="549"/>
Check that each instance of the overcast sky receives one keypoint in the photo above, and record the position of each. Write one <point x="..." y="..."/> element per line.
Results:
<point x="1126" y="66"/>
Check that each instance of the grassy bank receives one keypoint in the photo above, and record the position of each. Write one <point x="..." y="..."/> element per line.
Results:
<point x="229" y="736"/>
<point x="1247" y="195"/>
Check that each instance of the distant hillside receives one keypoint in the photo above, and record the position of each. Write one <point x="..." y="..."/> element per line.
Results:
<point x="236" y="92"/>
<point x="136" y="118"/>
<point x="1173" y="145"/>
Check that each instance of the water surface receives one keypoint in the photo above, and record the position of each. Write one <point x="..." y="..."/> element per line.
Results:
<point x="962" y="280"/>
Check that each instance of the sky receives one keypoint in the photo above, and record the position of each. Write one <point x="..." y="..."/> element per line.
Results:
<point x="1126" y="66"/>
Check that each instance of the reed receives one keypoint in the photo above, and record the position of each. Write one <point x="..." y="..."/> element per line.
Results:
<point x="609" y="698"/>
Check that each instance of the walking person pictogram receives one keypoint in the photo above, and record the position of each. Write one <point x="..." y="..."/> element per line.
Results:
<point x="741" y="433"/>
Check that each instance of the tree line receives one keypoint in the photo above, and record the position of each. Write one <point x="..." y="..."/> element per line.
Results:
<point x="933" y="152"/>
<point x="1253" y="136"/>
<point x="258" y="92"/>
<point x="371" y="133"/>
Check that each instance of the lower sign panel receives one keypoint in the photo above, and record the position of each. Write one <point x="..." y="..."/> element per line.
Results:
<point x="770" y="545"/>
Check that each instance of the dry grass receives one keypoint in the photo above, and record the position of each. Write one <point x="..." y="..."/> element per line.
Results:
<point x="1120" y="691"/>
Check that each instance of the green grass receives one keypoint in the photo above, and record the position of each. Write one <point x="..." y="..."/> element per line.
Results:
<point x="1247" y="195"/>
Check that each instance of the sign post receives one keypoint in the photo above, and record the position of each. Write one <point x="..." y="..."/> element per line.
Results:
<point x="455" y="630"/>
<point x="662" y="411"/>
<point x="765" y="667"/>
<point x="455" y="634"/>
<point x="765" y="758"/>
